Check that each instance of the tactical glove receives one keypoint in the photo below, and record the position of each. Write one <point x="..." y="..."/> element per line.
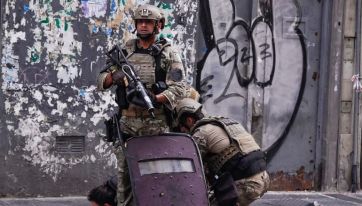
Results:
<point x="135" y="97"/>
<point x="118" y="78"/>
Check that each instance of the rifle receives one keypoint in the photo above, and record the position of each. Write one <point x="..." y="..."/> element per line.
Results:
<point x="118" y="58"/>
<point x="113" y="131"/>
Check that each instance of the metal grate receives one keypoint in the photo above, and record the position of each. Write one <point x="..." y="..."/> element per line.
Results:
<point x="69" y="144"/>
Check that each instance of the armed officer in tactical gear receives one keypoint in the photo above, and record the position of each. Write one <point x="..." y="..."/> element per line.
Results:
<point x="234" y="163"/>
<point x="160" y="69"/>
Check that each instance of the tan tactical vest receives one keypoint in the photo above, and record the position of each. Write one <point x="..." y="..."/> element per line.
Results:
<point x="144" y="66"/>
<point x="235" y="131"/>
<point x="240" y="141"/>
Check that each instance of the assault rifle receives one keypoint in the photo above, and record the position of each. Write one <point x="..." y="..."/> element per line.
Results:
<point x="118" y="58"/>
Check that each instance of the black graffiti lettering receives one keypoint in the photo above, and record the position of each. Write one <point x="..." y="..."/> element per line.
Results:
<point x="224" y="94"/>
<point x="244" y="55"/>
<point x="205" y="87"/>
<point x="266" y="8"/>
<point x="222" y="49"/>
<point x="265" y="53"/>
<point x="258" y="48"/>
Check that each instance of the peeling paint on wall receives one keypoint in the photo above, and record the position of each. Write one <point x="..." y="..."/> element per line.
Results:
<point x="96" y="8"/>
<point x="53" y="51"/>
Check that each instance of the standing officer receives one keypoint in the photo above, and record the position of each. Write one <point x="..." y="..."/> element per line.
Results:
<point x="234" y="164"/>
<point x="159" y="66"/>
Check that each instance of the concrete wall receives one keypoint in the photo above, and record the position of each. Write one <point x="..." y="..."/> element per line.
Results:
<point x="259" y="63"/>
<point x="349" y="143"/>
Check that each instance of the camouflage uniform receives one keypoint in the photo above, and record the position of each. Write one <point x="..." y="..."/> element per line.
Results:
<point x="219" y="139"/>
<point x="136" y="120"/>
<point x="234" y="164"/>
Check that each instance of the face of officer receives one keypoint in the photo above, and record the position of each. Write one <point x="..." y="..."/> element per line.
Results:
<point x="145" y="28"/>
<point x="187" y="124"/>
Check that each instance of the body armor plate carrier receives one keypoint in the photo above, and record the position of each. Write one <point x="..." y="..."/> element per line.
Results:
<point x="242" y="158"/>
<point x="147" y="65"/>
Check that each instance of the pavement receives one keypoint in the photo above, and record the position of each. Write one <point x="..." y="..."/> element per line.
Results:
<point x="269" y="199"/>
<point x="309" y="199"/>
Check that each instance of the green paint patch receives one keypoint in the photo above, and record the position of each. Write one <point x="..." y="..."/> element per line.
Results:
<point x="168" y="25"/>
<point x="57" y="23"/>
<point x="163" y="35"/>
<point x="123" y="2"/>
<point x="66" y="26"/>
<point x="45" y="21"/>
<point x="166" y="6"/>
<point x="34" y="57"/>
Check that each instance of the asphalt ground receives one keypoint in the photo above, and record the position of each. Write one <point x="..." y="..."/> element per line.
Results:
<point x="269" y="199"/>
<point x="309" y="199"/>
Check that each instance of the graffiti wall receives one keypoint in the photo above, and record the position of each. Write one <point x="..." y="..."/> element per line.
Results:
<point x="52" y="116"/>
<point x="258" y="62"/>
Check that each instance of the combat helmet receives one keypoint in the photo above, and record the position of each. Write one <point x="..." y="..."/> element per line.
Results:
<point x="147" y="11"/>
<point x="187" y="105"/>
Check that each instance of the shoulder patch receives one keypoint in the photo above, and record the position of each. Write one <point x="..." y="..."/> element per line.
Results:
<point x="130" y="45"/>
<point x="176" y="74"/>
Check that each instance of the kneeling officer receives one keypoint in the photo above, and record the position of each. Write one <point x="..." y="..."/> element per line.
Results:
<point x="234" y="164"/>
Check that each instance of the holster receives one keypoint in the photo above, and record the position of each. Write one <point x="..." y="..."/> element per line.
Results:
<point x="225" y="190"/>
<point x="245" y="166"/>
<point x="121" y="97"/>
<point x="110" y="131"/>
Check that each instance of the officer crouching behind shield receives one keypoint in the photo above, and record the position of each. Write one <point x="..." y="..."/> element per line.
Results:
<point x="234" y="163"/>
<point x="159" y="67"/>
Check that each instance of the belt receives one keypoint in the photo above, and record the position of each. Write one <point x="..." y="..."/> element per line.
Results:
<point x="216" y="161"/>
<point x="139" y="113"/>
<point x="243" y="166"/>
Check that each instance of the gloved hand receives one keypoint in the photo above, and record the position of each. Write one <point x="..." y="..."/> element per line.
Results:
<point x="118" y="78"/>
<point x="137" y="100"/>
<point x="134" y="97"/>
